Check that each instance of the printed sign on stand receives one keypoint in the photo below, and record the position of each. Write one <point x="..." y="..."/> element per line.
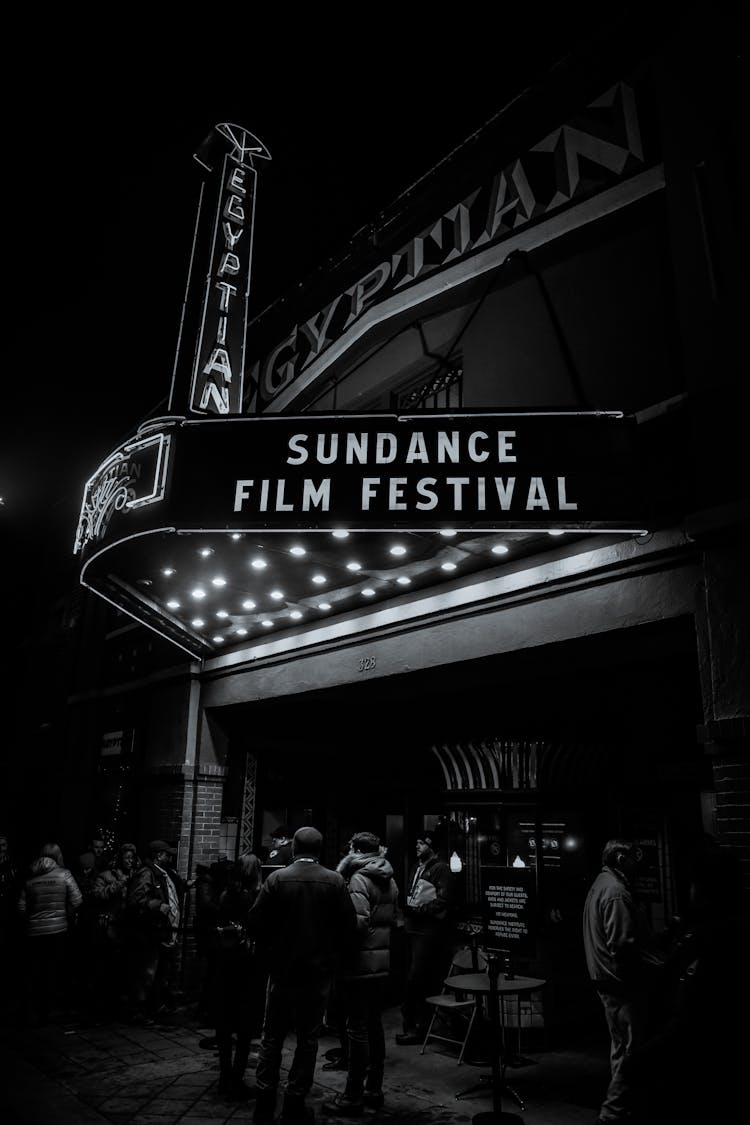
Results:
<point x="508" y="901"/>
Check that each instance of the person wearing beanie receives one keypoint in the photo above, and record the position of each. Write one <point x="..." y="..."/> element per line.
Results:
<point x="428" y="937"/>
<point x="374" y="893"/>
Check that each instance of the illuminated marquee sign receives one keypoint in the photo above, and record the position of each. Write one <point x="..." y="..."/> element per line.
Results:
<point x="132" y="477"/>
<point x="212" y="336"/>
<point x="378" y="472"/>
<point x="593" y="150"/>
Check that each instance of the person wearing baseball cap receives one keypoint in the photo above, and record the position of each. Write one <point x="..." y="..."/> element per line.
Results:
<point x="280" y="854"/>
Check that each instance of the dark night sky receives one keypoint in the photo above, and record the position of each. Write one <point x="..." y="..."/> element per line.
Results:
<point x="105" y="205"/>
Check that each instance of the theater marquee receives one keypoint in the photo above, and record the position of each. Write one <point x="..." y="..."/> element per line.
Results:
<point x="197" y="527"/>
<point x="378" y="473"/>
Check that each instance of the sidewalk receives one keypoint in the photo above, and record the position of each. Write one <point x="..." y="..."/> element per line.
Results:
<point x="67" y="1074"/>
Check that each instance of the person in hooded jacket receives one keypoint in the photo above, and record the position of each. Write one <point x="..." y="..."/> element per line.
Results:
<point x="50" y="897"/>
<point x="374" y="894"/>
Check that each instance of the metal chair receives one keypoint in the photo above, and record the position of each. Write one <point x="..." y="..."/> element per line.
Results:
<point x="449" y="1003"/>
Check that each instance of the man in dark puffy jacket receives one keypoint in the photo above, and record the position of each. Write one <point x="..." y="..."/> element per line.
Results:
<point x="304" y="921"/>
<point x="373" y="891"/>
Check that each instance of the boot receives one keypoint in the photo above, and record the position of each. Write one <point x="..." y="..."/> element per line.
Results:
<point x="294" y="1111"/>
<point x="265" y="1107"/>
<point x="341" y="1105"/>
<point x="238" y="1090"/>
<point x="224" y="1043"/>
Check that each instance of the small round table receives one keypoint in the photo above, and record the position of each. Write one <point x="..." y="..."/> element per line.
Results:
<point x="494" y="985"/>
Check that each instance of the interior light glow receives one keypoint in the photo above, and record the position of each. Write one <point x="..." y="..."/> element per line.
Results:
<point x="447" y="566"/>
<point x="266" y="624"/>
<point x="368" y="592"/>
<point x="323" y="605"/>
<point x="168" y="571"/>
<point x="259" y="564"/>
<point x="241" y="631"/>
<point x="173" y="604"/>
<point x="236" y="535"/>
<point x="218" y="581"/>
<point x="295" y="614"/>
<point x="222" y="613"/>
<point x="403" y="580"/>
<point x="217" y="640"/>
<point x="206" y="551"/>
<point x="456" y="865"/>
<point x="198" y="593"/>
<point x="500" y="549"/>
<point x="555" y="531"/>
<point x="318" y="579"/>
<point x="353" y="566"/>
<point x="448" y="533"/>
<point x="197" y="622"/>
<point x="298" y="551"/>
<point x="340" y="533"/>
<point x="277" y="595"/>
<point x="247" y="604"/>
<point x="398" y="550"/>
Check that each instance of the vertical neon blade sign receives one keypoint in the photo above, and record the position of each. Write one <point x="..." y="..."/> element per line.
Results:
<point x="209" y="365"/>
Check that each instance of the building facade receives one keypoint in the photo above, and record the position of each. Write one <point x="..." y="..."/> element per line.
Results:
<point x="496" y="661"/>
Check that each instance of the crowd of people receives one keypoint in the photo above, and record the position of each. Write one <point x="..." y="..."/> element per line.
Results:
<point x="286" y="953"/>
<point x="295" y="946"/>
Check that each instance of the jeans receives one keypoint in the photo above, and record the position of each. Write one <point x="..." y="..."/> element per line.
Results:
<point x="626" y="1020"/>
<point x="298" y="1007"/>
<point x="429" y="961"/>
<point x="364" y="1024"/>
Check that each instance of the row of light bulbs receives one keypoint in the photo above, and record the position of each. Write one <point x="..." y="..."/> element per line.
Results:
<point x="259" y="564"/>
